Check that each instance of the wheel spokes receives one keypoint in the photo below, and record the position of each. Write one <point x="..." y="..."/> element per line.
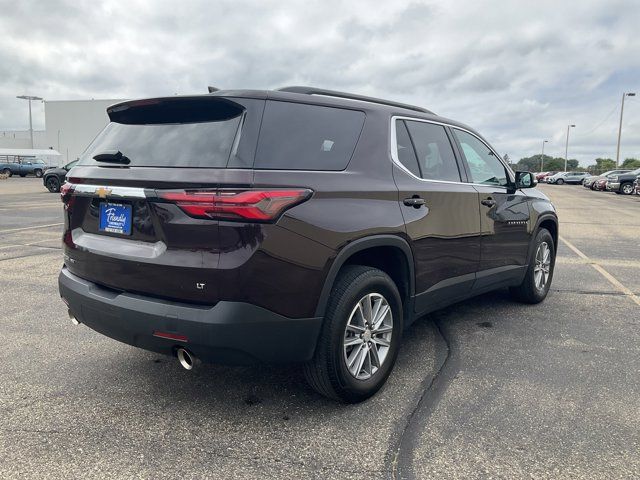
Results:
<point x="367" y="336"/>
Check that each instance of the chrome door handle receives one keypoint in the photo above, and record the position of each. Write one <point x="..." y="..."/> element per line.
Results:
<point x="488" y="202"/>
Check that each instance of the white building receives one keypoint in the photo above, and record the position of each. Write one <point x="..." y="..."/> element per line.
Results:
<point x="21" y="139"/>
<point x="71" y="125"/>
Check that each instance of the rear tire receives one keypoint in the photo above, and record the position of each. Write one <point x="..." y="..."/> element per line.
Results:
<point x="53" y="184"/>
<point x="7" y="171"/>
<point x="541" y="266"/>
<point x="343" y="341"/>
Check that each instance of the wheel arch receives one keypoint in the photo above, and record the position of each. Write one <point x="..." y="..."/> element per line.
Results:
<point x="367" y="251"/>
<point x="549" y="222"/>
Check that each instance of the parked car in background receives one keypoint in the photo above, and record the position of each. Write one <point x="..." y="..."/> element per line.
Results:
<point x="590" y="182"/>
<point x="183" y="260"/>
<point x="622" y="184"/>
<point x="553" y="178"/>
<point x="23" y="167"/>
<point x="53" y="178"/>
<point x="600" y="184"/>
<point x="636" y="185"/>
<point x="568" y="177"/>
<point x="542" y="175"/>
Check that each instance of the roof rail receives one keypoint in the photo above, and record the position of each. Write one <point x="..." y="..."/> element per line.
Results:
<point x="350" y="96"/>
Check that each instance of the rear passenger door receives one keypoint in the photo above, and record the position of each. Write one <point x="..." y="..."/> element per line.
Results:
<point x="504" y="212"/>
<point x="440" y="211"/>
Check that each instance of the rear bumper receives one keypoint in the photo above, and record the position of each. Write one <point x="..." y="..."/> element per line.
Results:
<point x="229" y="332"/>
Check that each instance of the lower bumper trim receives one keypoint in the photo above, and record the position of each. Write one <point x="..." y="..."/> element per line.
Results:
<point x="229" y="332"/>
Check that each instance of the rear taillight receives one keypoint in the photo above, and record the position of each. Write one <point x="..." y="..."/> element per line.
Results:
<point x="66" y="190"/>
<point x="252" y="205"/>
<point x="66" y="193"/>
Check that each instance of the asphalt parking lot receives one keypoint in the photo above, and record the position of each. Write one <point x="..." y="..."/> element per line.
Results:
<point x="484" y="389"/>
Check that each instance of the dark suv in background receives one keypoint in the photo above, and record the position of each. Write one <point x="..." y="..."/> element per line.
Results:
<point x="298" y="225"/>
<point x="623" y="182"/>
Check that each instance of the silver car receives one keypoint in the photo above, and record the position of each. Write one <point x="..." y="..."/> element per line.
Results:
<point x="568" y="177"/>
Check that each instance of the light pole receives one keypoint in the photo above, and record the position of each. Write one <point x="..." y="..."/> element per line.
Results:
<point x="542" y="159"/>
<point x="620" y="126"/>
<point x="30" y="97"/>
<point x="566" y="147"/>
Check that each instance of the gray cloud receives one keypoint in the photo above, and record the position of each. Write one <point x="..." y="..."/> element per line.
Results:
<point x="518" y="72"/>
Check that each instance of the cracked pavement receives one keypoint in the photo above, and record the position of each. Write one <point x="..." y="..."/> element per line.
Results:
<point x="484" y="389"/>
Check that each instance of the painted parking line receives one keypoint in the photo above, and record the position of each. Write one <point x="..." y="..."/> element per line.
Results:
<point x="30" y="228"/>
<point x="29" y="207"/>
<point x="610" y="278"/>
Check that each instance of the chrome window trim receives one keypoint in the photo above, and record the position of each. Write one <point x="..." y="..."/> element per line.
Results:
<point x="396" y="160"/>
<point x="129" y="192"/>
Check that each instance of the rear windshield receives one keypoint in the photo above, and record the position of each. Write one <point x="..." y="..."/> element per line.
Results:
<point x="297" y="136"/>
<point x="179" y="133"/>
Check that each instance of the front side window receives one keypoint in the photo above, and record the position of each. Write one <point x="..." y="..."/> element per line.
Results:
<point x="484" y="167"/>
<point x="434" y="151"/>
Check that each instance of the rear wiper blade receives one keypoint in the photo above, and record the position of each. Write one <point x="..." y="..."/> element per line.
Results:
<point x="112" y="156"/>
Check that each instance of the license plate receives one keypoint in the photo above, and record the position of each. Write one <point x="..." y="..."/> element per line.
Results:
<point x="115" y="218"/>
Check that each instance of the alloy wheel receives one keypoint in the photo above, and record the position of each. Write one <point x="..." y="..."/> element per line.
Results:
<point x="367" y="336"/>
<point x="542" y="267"/>
<point x="627" y="189"/>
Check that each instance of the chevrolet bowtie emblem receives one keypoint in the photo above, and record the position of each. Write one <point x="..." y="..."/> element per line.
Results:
<point x="102" y="192"/>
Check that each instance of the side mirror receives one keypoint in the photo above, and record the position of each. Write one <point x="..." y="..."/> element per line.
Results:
<point x="525" y="180"/>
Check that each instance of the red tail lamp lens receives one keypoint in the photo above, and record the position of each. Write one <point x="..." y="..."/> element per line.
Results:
<point x="65" y="190"/>
<point x="252" y="205"/>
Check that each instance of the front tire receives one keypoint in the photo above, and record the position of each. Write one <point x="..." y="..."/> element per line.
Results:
<point x="38" y="173"/>
<point x="626" y="188"/>
<point x="360" y="338"/>
<point x="537" y="280"/>
<point x="559" y="181"/>
<point x="53" y="184"/>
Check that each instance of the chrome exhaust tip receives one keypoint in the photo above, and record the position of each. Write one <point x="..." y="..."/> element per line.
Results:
<point x="185" y="358"/>
<point x="73" y="319"/>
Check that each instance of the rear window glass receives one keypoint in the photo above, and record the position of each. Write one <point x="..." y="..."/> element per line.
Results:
<point x="307" y="137"/>
<point x="167" y="133"/>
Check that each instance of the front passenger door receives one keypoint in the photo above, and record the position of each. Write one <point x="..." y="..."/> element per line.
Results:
<point x="440" y="212"/>
<point x="504" y="212"/>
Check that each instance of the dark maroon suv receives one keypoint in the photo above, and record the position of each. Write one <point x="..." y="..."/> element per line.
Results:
<point x="296" y="225"/>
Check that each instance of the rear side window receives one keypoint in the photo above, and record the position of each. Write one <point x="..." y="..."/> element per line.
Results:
<point x="297" y="136"/>
<point x="434" y="151"/>
<point x="406" y="153"/>
<point x="181" y="132"/>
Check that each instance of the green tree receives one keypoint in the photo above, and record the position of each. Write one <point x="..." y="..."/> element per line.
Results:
<point x="551" y="164"/>
<point x="604" y="164"/>
<point x="572" y="164"/>
<point x="632" y="163"/>
<point x="532" y="164"/>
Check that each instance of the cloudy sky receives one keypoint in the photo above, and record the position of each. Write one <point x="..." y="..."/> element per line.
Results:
<point x="516" y="71"/>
